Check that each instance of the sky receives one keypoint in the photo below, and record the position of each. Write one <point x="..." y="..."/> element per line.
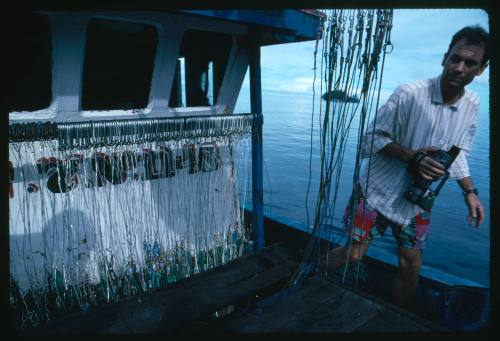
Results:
<point x="420" y="38"/>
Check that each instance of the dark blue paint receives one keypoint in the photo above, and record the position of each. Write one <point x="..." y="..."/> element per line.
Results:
<point x="257" y="149"/>
<point x="291" y="25"/>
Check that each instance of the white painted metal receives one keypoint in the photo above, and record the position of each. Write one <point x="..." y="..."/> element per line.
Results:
<point x="68" y="31"/>
<point x="60" y="218"/>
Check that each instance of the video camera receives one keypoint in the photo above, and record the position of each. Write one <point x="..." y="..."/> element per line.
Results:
<point x="420" y="192"/>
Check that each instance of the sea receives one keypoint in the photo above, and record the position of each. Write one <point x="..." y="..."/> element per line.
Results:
<point x="291" y="173"/>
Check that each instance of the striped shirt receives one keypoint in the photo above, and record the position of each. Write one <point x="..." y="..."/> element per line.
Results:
<point x="414" y="116"/>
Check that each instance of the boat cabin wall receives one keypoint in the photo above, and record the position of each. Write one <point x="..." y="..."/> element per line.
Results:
<point x="119" y="65"/>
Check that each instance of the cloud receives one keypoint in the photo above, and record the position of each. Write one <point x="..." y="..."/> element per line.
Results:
<point x="431" y="29"/>
<point x="297" y="84"/>
<point x="420" y="38"/>
<point x="483" y="79"/>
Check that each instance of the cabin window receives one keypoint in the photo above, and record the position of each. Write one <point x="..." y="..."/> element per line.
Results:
<point x="118" y="67"/>
<point x="200" y="68"/>
<point x="243" y="101"/>
<point x="30" y="50"/>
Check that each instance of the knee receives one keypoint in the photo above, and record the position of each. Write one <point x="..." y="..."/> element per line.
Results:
<point x="356" y="252"/>
<point x="410" y="265"/>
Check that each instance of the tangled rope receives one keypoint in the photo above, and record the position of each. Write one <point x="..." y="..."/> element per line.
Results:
<point x="353" y="42"/>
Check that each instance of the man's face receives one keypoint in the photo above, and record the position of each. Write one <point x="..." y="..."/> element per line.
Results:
<point x="461" y="64"/>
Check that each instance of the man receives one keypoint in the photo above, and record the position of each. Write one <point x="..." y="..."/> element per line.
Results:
<point x="417" y="119"/>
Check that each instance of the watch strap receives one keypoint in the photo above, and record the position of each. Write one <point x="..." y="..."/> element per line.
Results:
<point x="468" y="191"/>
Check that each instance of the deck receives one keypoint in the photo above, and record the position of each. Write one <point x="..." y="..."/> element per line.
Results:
<point x="321" y="306"/>
<point x="247" y="295"/>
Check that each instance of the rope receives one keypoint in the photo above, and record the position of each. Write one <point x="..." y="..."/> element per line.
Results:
<point x="350" y="61"/>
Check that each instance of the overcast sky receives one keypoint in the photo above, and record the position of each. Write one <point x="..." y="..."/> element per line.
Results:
<point x="420" y="38"/>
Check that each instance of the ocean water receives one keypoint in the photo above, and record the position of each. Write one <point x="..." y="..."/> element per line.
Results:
<point x="452" y="245"/>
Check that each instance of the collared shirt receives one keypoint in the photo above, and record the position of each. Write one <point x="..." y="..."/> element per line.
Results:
<point x="415" y="117"/>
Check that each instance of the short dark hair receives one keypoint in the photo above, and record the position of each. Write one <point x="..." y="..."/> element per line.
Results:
<point x="474" y="35"/>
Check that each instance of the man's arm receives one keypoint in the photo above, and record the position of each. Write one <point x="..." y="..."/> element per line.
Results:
<point x="428" y="168"/>
<point x="476" y="210"/>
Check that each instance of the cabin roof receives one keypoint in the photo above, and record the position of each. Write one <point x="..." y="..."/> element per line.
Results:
<point x="272" y="26"/>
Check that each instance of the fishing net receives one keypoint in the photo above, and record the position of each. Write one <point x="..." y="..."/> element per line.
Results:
<point x="104" y="210"/>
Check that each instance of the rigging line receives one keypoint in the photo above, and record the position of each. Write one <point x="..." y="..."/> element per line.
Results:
<point x="387" y="43"/>
<point x="331" y="46"/>
<point x="377" y="104"/>
<point x="323" y="150"/>
<point x="321" y="194"/>
<point x="330" y="208"/>
<point x="333" y="63"/>
<point x="370" y="89"/>
<point x="339" y="118"/>
<point x="377" y="48"/>
<point x="348" y="83"/>
<point x="342" y="117"/>
<point x="340" y="130"/>
<point x="334" y="43"/>
<point x="342" y="147"/>
<point x="332" y="147"/>
<point x="345" y="63"/>
<point x="347" y="91"/>
<point x="320" y="197"/>
<point x="320" y="34"/>
<point x="360" y="140"/>
<point x="327" y="119"/>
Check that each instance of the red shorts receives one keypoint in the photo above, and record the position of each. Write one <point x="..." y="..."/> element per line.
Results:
<point x="370" y="224"/>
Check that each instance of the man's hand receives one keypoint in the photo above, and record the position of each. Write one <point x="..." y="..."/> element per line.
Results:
<point x="476" y="211"/>
<point x="428" y="168"/>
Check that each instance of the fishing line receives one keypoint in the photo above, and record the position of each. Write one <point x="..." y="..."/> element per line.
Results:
<point x="318" y="36"/>
<point x="339" y="114"/>
<point x="104" y="210"/>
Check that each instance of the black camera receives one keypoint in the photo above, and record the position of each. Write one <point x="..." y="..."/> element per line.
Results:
<point x="423" y="192"/>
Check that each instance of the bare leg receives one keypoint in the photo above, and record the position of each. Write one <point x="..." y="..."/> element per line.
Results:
<point x="338" y="256"/>
<point x="406" y="281"/>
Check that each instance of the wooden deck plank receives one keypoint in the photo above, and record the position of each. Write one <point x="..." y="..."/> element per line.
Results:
<point x="342" y="314"/>
<point x="190" y="299"/>
<point x="321" y="306"/>
<point x="391" y="321"/>
<point x="289" y="309"/>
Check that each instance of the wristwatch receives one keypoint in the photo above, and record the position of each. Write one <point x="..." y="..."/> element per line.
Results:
<point x="467" y="191"/>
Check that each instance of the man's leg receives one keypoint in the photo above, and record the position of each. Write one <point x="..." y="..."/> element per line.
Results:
<point x="406" y="281"/>
<point x="341" y="254"/>
<point x="411" y="242"/>
<point x="367" y="225"/>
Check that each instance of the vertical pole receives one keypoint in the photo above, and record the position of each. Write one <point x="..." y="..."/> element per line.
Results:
<point x="257" y="155"/>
